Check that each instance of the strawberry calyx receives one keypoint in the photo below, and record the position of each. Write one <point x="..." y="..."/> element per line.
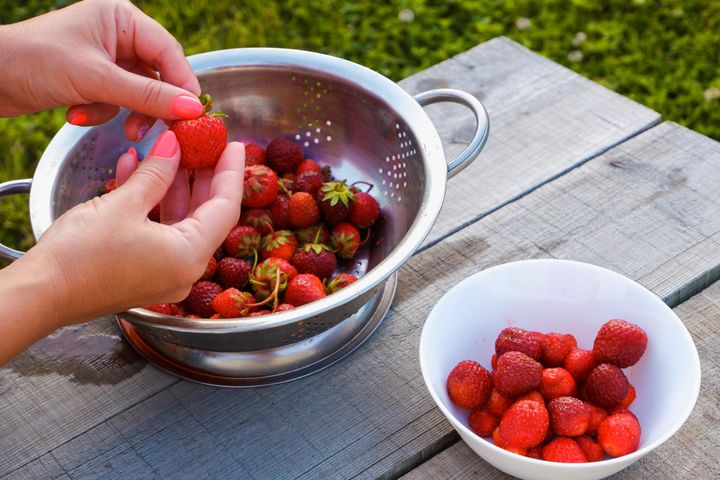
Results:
<point x="334" y="192"/>
<point x="206" y="101"/>
<point x="274" y="296"/>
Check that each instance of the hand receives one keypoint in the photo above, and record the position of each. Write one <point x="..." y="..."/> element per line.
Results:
<point x="97" y="55"/>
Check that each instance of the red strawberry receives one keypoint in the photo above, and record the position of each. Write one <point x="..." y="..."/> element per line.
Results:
<point x="572" y="340"/>
<point x="620" y="343"/>
<point x="629" y="398"/>
<point x="304" y="288"/>
<point x="597" y="415"/>
<point x="535" y="452"/>
<point x="364" y="210"/>
<point x="308" y="165"/>
<point x="303" y="210"/>
<point x="279" y="212"/>
<point x="201" y="139"/>
<point x="593" y="450"/>
<point x="243" y="241"/>
<point x="579" y="363"/>
<point x="178" y="310"/>
<point x="569" y="416"/>
<point x="335" y="201"/>
<point x="233" y="272"/>
<point x="284" y="307"/>
<point x="314" y="258"/>
<point x="555" y="348"/>
<point x="524" y="425"/>
<point x="340" y="281"/>
<point x="513" y="339"/>
<point x="493" y="361"/>
<point x="109" y="186"/>
<point x="517" y="374"/>
<point x="318" y="233"/>
<point x="264" y="277"/>
<point x="345" y="240"/>
<point x="557" y="382"/>
<point x="498" y="404"/>
<point x="482" y="422"/>
<point x="258" y="218"/>
<point x="219" y="253"/>
<point x="534" y="396"/>
<point x="283" y="155"/>
<point x="469" y="385"/>
<point x="254" y="154"/>
<point x="199" y="300"/>
<point x="210" y="269"/>
<point x="564" y="450"/>
<point x="233" y="303"/>
<point x="280" y="243"/>
<point x="260" y="187"/>
<point x="309" y="182"/>
<point x="164" y="308"/>
<point x="606" y="386"/>
<point x="619" y="434"/>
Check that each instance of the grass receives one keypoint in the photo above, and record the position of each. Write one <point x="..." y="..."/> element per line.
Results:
<point x="661" y="53"/>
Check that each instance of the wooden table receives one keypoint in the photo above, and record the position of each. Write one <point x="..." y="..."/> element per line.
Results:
<point x="571" y="170"/>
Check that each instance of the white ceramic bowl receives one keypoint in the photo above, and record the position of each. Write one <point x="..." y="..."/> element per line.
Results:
<point x="567" y="297"/>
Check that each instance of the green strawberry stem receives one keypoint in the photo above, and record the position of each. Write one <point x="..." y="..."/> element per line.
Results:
<point x="273" y="296"/>
<point x="206" y="101"/>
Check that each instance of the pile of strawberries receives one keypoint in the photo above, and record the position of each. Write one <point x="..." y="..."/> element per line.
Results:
<point x="545" y="398"/>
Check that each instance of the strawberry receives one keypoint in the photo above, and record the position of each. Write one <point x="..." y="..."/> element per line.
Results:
<point x="493" y="361"/>
<point x="164" y="308"/>
<point x="199" y="300"/>
<point x="572" y="340"/>
<point x="340" y="281"/>
<point x="109" y="186"/>
<point x="364" y="210"/>
<point x="258" y="218"/>
<point x="219" y="253"/>
<point x="254" y="154"/>
<point x="555" y="348"/>
<point x="498" y="404"/>
<point x="620" y="343"/>
<point x="629" y="398"/>
<point x="280" y="243"/>
<point x="233" y="303"/>
<point x="283" y="155"/>
<point x="524" y="425"/>
<point x="304" y="288"/>
<point x="279" y="212"/>
<point x="264" y="278"/>
<point x="535" y="452"/>
<point x="482" y="422"/>
<point x="335" y="201"/>
<point x="579" y="363"/>
<point x="242" y="241"/>
<point x="318" y="233"/>
<point x="201" y="139"/>
<point x="469" y="385"/>
<point x="308" y="165"/>
<point x="592" y="449"/>
<point x="303" y="210"/>
<point x="557" y="382"/>
<point x="309" y="182"/>
<point x="534" y="396"/>
<point x="178" y="310"/>
<point x="517" y="374"/>
<point x="345" y="240"/>
<point x="619" y="434"/>
<point x="597" y="415"/>
<point x="564" y="450"/>
<point x="233" y="272"/>
<point x="210" y="269"/>
<point x="260" y="187"/>
<point x="314" y="258"/>
<point x="606" y="386"/>
<point x="569" y="416"/>
<point x="284" y="307"/>
<point x="513" y="339"/>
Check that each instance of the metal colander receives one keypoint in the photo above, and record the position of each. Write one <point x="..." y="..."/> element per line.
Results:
<point x="345" y="115"/>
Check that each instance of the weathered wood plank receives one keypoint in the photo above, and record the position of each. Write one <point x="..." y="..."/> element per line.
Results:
<point x="371" y="416"/>
<point x="544" y="119"/>
<point x="91" y="375"/>
<point x="692" y="452"/>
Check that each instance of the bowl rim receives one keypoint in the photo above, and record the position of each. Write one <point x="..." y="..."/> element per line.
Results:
<point x="372" y="83"/>
<point x="562" y="263"/>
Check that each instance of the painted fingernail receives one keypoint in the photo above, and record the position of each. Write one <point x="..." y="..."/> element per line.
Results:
<point x="165" y="146"/>
<point x="133" y="152"/>
<point x="142" y="131"/>
<point x="78" y="118"/>
<point x="185" y="106"/>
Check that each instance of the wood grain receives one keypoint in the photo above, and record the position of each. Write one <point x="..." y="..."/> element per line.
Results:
<point x="646" y="208"/>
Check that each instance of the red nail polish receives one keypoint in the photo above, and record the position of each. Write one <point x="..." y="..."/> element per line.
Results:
<point x="165" y="146"/>
<point x="78" y="118"/>
<point x="187" y="107"/>
<point x="133" y="152"/>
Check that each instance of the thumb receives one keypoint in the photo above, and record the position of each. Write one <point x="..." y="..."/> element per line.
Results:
<point x="151" y="181"/>
<point x="148" y="95"/>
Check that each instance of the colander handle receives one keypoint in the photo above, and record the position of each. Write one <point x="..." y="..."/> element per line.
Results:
<point x="481" y="131"/>
<point x="6" y="189"/>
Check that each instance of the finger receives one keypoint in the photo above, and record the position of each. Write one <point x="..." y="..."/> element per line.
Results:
<point x="90" y="114"/>
<point x="175" y="205"/>
<point x="126" y="165"/>
<point x="201" y="187"/>
<point x="137" y="126"/>
<point x="210" y="223"/>
<point x="151" y="181"/>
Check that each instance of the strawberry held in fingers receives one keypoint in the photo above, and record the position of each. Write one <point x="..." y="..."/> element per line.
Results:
<point x="201" y="139"/>
<point x="260" y="187"/>
<point x="345" y="240"/>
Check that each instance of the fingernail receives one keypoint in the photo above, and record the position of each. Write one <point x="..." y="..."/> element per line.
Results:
<point x="185" y="106"/>
<point x="78" y="118"/>
<point x="133" y="152"/>
<point x="165" y="146"/>
<point x="142" y="131"/>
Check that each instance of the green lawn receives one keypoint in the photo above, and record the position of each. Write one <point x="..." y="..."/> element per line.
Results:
<point x="663" y="54"/>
